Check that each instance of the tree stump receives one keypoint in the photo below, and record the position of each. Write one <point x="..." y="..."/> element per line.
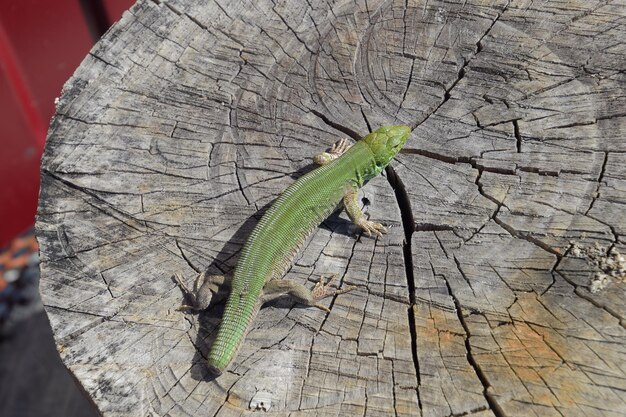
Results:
<point x="499" y="289"/>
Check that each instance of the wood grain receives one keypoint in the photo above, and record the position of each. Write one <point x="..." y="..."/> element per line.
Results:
<point x="187" y="119"/>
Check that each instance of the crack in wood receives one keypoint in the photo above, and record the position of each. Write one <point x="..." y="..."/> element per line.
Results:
<point x="518" y="137"/>
<point x="182" y="254"/>
<point x="489" y="397"/>
<point x="596" y="194"/>
<point x="408" y="224"/>
<point x="337" y="126"/>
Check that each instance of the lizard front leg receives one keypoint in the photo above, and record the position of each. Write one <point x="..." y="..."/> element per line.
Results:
<point x="203" y="289"/>
<point x="335" y="152"/>
<point x="280" y="287"/>
<point x="351" y="202"/>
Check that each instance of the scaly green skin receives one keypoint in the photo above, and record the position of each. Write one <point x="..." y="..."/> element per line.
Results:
<point x="282" y="230"/>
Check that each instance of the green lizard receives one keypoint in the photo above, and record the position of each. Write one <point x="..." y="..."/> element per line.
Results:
<point x="274" y="242"/>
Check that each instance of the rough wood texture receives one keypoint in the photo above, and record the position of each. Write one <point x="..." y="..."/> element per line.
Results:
<point x="187" y="119"/>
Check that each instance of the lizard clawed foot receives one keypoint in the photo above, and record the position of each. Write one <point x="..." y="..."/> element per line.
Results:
<point x="178" y="278"/>
<point x="335" y="152"/>
<point x="202" y="293"/>
<point x="340" y="146"/>
<point x="370" y="227"/>
<point x="323" y="290"/>
<point x="180" y="281"/>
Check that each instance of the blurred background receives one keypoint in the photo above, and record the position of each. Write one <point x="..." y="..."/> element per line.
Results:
<point x="41" y="44"/>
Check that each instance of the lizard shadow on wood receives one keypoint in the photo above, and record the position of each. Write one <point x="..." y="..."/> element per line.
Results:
<point x="223" y="263"/>
<point x="208" y="319"/>
<point x="310" y="201"/>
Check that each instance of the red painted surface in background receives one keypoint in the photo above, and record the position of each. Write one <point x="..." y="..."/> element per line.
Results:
<point x="41" y="44"/>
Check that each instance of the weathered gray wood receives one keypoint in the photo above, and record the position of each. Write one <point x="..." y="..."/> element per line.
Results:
<point x="188" y="118"/>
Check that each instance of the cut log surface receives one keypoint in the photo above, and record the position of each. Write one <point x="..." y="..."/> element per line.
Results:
<point x="188" y="119"/>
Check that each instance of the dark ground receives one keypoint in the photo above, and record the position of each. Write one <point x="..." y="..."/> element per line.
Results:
<point x="33" y="380"/>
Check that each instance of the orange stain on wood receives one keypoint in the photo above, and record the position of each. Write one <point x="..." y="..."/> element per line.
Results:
<point x="447" y="338"/>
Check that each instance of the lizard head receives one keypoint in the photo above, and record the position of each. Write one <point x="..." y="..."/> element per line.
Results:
<point x="386" y="142"/>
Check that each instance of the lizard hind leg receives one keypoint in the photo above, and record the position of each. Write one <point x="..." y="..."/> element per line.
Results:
<point x="279" y="287"/>
<point x="203" y="289"/>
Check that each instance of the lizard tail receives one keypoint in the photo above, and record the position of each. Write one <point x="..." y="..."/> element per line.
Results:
<point x="230" y="336"/>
